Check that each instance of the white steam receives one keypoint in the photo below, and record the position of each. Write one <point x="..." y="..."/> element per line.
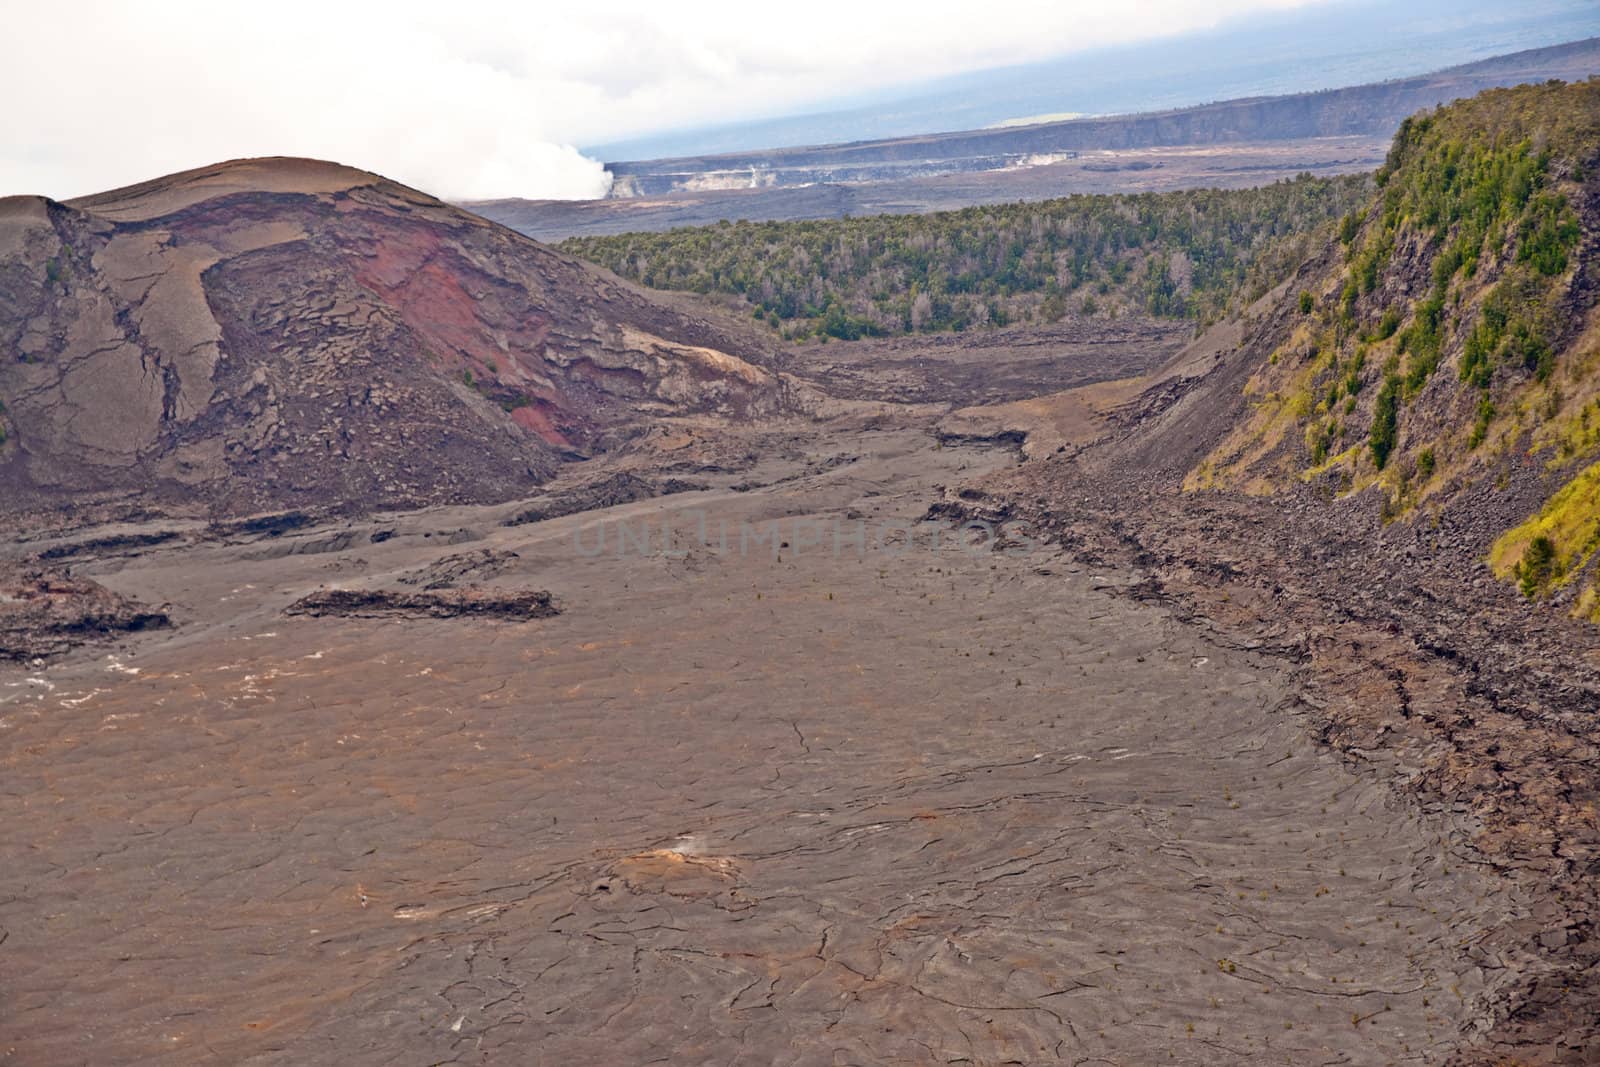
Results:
<point x="485" y="99"/>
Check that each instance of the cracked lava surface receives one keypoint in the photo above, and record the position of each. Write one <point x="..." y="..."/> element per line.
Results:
<point x="926" y="807"/>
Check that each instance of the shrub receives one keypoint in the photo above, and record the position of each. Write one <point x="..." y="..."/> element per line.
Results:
<point x="1525" y="347"/>
<point x="1419" y="369"/>
<point x="1385" y="421"/>
<point x="1388" y="324"/>
<point x="1548" y="231"/>
<point x="1318" y="440"/>
<point x="1349" y="226"/>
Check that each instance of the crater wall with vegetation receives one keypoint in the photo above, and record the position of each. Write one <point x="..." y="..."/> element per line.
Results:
<point x="1448" y="334"/>
<point x="1180" y="254"/>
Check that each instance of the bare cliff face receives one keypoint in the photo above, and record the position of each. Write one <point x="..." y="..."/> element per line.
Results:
<point x="283" y="333"/>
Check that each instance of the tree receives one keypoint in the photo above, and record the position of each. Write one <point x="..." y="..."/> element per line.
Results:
<point x="1537" y="565"/>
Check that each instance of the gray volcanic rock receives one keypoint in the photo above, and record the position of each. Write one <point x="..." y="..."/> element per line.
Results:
<point x="287" y="333"/>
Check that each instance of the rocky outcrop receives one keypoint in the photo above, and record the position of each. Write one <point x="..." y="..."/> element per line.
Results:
<point x="44" y="613"/>
<point x="450" y="604"/>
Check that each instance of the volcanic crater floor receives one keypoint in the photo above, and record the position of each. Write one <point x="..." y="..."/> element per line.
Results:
<point x="779" y="802"/>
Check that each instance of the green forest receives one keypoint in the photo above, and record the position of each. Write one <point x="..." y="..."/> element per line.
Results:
<point x="1178" y="255"/>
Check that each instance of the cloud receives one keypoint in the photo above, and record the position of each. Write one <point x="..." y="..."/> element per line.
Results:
<point x="480" y="100"/>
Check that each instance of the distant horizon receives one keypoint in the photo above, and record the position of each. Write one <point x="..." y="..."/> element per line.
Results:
<point x="918" y="101"/>
<point x="1051" y="120"/>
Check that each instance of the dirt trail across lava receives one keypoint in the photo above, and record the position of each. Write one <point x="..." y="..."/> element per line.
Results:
<point x="774" y="803"/>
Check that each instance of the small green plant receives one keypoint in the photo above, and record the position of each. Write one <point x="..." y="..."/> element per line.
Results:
<point x="1425" y="464"/>
<point x="513" y="402"/>
<point x="1352" y="378"/>
<point x="1480" y="429"/>
<point x="1307" y="302"/>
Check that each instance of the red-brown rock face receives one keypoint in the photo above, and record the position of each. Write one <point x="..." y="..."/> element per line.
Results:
<point x="272" y="333"/>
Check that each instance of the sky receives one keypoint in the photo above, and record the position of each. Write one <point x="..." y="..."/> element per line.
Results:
<point x="472" y="100"/>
